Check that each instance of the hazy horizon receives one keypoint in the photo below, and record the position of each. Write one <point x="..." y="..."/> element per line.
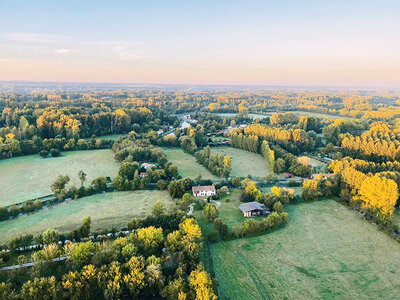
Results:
<point x="229" y="43"/>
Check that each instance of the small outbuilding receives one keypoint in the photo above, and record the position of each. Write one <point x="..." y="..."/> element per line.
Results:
<point x="204" y="191"/>
<point x="252" y="209"/>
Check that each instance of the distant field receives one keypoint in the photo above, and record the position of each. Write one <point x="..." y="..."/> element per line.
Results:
<point x="244" y="162"/>
<point x="112" y="137"/>
<point x="253" y="116"/>
<point x="27" y="177"/>
<point x="316" y="163"/>
<point x="187" y="165"/>
<point x="325" y="252"/>
<point x="106" y="210"/>
<point x="313" y="114"/>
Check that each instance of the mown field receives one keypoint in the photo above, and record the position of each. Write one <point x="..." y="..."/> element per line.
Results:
<point x="187" y="165"/>
<point x="325" y="252"/>
<point x="106" y="210"/>
<point x="27" y="177"/>
<point x="251" y="115"/>
<point x="244" y="162"/>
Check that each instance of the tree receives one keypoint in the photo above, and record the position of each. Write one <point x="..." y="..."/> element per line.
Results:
<point x="134" y="280"/>
<point x="311" y="190"/>
<point x="236" y="181"/>
<point x="54" y="152"/>
<point x="210" y="212"/>
<point x="221" y="226"/>
<point x="51" y="236"/>
<point x="82" y="252"/>
<point x="201" y="284"/>
<point x="158" y="209"/>
<point x="186" y="200"/>
<point x="82" y="177"/>
<point x="279" y="166"/>
<point x="227" y="165"/>
<point x="161" y="184"/>
<point x="149" y="240"/>
<point x="99" y="184"/>
<point x="58" y="186"/>
<point x="304" y="160"/>
<point x="40" y="289"/>
<point x="379" y="194"/>
<point x="44" y="153"/>
<point x="84" y="230"/>
<point x="134" y="223"/>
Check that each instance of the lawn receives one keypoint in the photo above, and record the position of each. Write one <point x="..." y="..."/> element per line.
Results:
<point x="244" y="162"/>
<point x="27" y="177"/>
<point x="187" y="165"/>
<point x="106" y="210"/>
<point x="228" y="211"/>
<point x="325" y="252"/>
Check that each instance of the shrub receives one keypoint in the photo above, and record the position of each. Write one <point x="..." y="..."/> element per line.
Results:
<point x="54" y="152"/>
<point x="44" y="153"/>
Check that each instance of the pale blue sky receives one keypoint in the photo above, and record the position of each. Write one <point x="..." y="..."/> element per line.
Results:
<point x="348" y="43"/>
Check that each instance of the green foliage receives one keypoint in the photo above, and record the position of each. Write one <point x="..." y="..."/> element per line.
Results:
<point x="210" y="212"/>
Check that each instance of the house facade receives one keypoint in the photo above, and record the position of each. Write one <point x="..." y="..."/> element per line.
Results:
<point x="204" y="191"/>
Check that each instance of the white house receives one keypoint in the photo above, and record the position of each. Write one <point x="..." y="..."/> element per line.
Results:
<point x="203" y="191"/>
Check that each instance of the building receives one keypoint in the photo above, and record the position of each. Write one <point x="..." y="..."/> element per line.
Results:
<point x="204" y="191"/>
<point x="142" y="174"/>
<point x="252" y="209"/>
<point x="147" y="166"/>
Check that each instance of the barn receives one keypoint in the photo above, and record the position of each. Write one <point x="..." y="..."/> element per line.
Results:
<point x="252" y="209"/>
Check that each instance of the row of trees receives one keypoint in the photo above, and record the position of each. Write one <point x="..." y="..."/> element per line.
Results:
<point x="134" y="265"/>
<point x="217" y="164"/>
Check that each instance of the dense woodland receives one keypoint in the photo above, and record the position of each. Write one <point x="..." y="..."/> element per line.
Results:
<point x="356" y="134"/>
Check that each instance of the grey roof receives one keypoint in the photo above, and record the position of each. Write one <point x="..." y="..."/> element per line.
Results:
<point x="246" y="207"/>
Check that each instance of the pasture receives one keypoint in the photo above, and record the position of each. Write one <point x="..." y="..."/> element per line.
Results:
<point x="106" y="210"/>
<point x="187" y="165"/>
<point x="27" y="177"/>
<point x="325" y="252"/>
<point x="244" y="162"/>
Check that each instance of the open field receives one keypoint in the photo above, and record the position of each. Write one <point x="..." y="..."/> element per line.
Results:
<point x="325" y="251"/>
<point x="112" y="137"/>
<point x="312" y="114"/>
<point x="106" y="210"/>
<point x="244" y="162"/>
<point x="187" y="165"/>
<point x="27" y="177"/>
<point x="251" y="115"/>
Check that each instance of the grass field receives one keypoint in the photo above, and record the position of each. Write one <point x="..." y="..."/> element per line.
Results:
<point x="325" y="252"/>
<point x="244" y="162"/>
<point x="27" y="177"/>
<point x="251" y="115"/>
<point x="106" y="210"/>
<point x="187" y="165"/>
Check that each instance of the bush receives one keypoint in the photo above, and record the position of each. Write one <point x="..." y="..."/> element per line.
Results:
<point x="44" y="153"/>
<point x="54" y="152"/>
<point x="227" y="200"/>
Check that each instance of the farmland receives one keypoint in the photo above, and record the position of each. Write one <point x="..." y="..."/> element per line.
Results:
<point x="186" y="164"/>
<point x="313" y="256"/>
<point x="27" y="177"/>
<point x="106" y="210"/>
<point x="244" y="162"/>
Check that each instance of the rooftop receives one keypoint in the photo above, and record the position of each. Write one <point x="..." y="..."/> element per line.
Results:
<point x="246" y="207"/>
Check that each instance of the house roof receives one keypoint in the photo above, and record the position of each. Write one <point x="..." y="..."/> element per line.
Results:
<point x="205" y="188"/>
<point x="246" y="207"/>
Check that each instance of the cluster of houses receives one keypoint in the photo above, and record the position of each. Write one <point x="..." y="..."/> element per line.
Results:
<point x="249" y="209"/>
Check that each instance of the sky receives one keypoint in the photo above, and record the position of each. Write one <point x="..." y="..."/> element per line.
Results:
<point x="285" y="42"/>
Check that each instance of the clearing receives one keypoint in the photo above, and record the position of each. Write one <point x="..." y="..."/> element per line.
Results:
<point x="325" y="251"/>
<point x="28" y="177"/>
<point x="106" y="210"/>
<point x="244" y="162"/>
<point x="187" y="165"/>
